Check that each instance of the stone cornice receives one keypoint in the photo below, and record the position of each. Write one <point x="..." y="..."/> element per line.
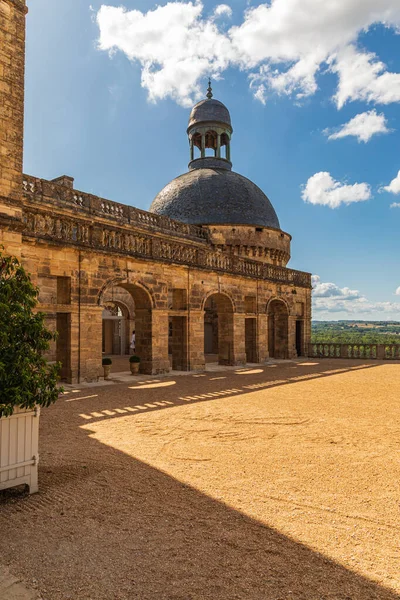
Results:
<point x="65" y="230"/>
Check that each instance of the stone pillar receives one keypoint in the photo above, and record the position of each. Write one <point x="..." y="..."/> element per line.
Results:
<point x="89" y="354"/>
<point x="159" y="339"/>
<point x="262" y="338"/>
<point x="381" y="352"/>
<point x="239" y="340"/>
<point x="218" y="153"/>
<point x="228" y="150"/>
<point x="12" y="74"/>
<point x="292" y="352"/>
<point x="144" y="339"/>
<point x="191" y="149"/>
<point x="203" y="145"/>
<point x="196" y="341"/>
<point x="307" y="322"/>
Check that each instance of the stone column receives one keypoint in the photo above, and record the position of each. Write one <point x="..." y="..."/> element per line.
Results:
<point x="159" y="339"/>
<point x="191" y="149"/>
<point x="228" y="150"/>
<point x="196" y="341"/>
<point x="262" y="338"/>
<point x="218" y="154"/>
<point x="203" y="145"/>
<point x="239" y="340"/>
<point x="292" y="353"/>
<point x="90" y="352"/>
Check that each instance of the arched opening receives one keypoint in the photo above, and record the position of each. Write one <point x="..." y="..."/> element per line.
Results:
<point x="195" y="146"/>
<point x="218" y="329"/>
<point x="278" y="329"/>
<point x="127" y="308"/>
<point x="116" y="320"/>
<point x="225" y="141"/>
<point x="211" y="143"/>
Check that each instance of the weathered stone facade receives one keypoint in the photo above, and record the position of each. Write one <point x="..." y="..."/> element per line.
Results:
<point x="86" y="253"/>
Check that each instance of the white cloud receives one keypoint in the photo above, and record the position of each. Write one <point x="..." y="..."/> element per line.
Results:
<point x="393" y="188"/>
<point x="322" y="189"/>
<point x="283" y="45"/>
<point x="395" y="205"/>
<point x="362" y="76"/>
<point x="397" y="292"/>
<point x="223" y="10"/>
<point x="362" y="126"/>
<point x="174" y="45"/>
<point x="330" y="299"/>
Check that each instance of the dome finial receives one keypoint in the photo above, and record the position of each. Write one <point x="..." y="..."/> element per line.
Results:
<point x="209" y="90"/>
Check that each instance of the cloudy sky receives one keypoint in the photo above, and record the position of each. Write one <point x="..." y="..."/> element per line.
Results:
<point x="313" y="87"/>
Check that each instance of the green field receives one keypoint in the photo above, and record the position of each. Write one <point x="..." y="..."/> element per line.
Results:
<point x="356" y="332"/>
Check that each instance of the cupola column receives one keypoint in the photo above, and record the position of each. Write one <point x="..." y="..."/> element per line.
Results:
<point x="203" y="145"/>
<point x="218" y="151"/>
<point x="228" y="149"/>
<point x="191" y="149"/>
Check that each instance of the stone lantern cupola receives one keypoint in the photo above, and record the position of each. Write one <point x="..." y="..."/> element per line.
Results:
<point x="240" y="218"/>
<point x="210" y="132"/>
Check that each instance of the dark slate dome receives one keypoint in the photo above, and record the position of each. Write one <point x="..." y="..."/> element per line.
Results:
<point x="209" y="110"/>
<point x="211" y="196"/>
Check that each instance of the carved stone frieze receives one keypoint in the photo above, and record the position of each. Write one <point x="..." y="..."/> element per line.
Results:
<point x="64" y="229"/>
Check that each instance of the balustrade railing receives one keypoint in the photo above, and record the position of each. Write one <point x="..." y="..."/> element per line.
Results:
<point x="363" y="351"/>
<point x="41" y="188"/>
<point x="114" y="236"/>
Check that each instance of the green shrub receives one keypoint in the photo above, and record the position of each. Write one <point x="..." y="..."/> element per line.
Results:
<point x="26" y="379"/>
<point x="134" y="358"/>
<point x="106" y="362"/>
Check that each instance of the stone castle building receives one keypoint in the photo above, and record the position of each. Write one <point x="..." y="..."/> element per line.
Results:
<point x="204" y="272"/>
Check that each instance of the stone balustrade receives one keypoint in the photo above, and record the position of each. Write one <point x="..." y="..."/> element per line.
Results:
<point x="121" y="228"/>
<point x="364" y="351"/>
<point x="41" y="189"/>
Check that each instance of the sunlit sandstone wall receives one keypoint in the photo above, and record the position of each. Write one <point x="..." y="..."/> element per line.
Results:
<point x="12" y="59"/>
<point x="268" y="245"/>
<point x="91" y="275"/>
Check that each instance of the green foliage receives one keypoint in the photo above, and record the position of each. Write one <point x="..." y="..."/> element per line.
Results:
<point x="355" y="332"/>
<point x="26" y="379"/>
<point x="134" y="358"/>
<point x="106" y="362"/>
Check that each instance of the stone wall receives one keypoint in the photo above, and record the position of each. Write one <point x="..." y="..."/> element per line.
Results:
<point x="151" y="285"/>
<point x="264" y="244"/>
<point x="12" y="68"/>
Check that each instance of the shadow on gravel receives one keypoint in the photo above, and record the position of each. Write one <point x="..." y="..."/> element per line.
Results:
<point x="106" y="526"/>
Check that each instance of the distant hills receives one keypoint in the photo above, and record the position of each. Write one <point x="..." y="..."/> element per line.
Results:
<point x="372" y="332"/>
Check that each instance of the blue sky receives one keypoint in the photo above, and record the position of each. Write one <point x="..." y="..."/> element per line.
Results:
<point x="292" y="73"/>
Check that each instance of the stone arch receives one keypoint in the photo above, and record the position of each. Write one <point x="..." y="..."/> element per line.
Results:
<point x="278" y="299"/>
<point x="219" y="293"/>
<point x="139" y="291"/>
<point x="211" y="142"/>
<point x="118" y="321"/>
<point x="219" y="311"/>
<point x="226" y="141"/>
<point x="278" y="328"/>
<point x="144" y="304"/>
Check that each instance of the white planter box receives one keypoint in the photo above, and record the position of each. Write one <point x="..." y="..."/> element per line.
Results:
<point x="19" y="449"/>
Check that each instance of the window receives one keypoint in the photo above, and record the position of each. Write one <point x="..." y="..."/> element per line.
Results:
<point x="63" y="290"/>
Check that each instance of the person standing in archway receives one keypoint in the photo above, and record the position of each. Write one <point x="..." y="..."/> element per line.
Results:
<point x="132" y="345"/>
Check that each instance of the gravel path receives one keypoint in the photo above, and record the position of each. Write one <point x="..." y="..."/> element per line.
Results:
<point x="271" y="483"/>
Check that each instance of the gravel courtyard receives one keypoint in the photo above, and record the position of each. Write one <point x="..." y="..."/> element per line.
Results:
<point x="268" y="483"/>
